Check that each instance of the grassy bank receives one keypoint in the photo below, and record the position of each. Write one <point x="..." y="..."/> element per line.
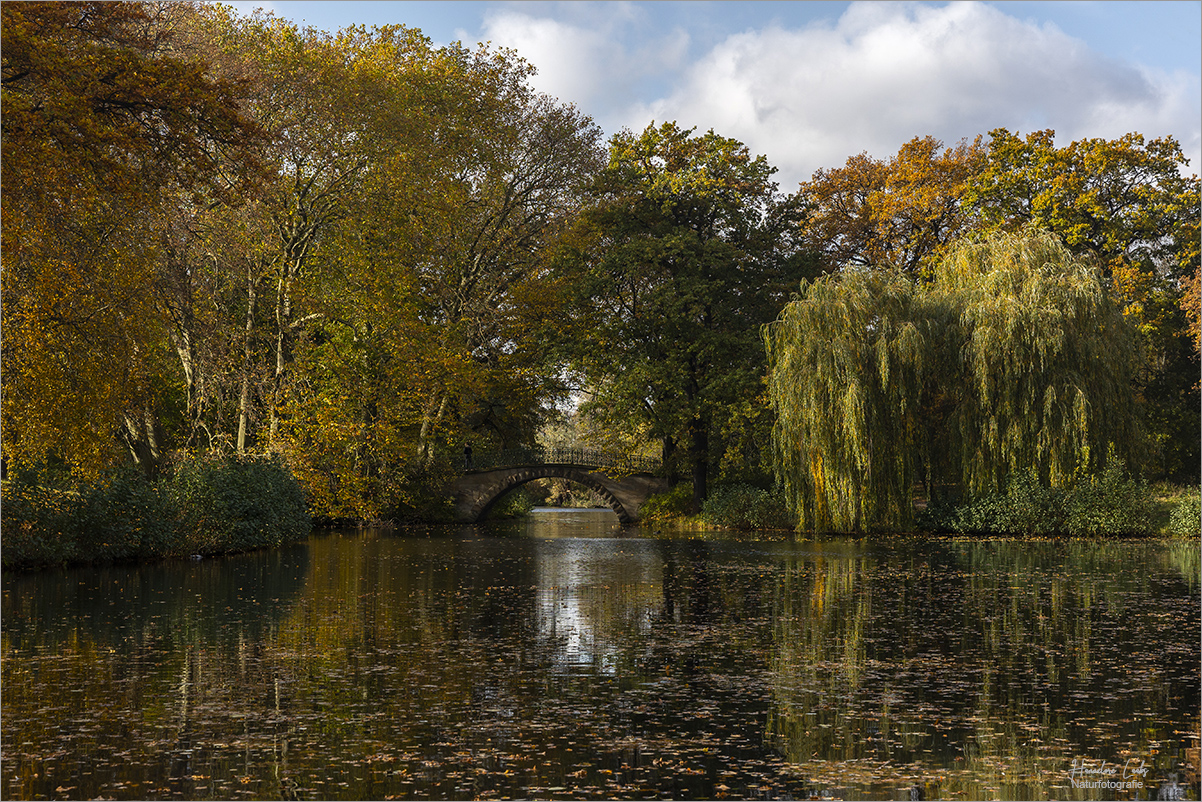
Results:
<point x="211" y="505"/>
<point x="1112" y="504"/>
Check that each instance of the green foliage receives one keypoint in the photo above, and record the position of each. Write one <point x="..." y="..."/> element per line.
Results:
<point x="1110" y="503"/>
<point x="684" y="253"/>
<point x="676" y="503"/>
<point x="847" y="362"/>
<point x="423" y="497"/>
<point x="210" y="506"/>
<point x="1012" y="360"/>
<point x="1026" y="507"/>
<point x="1040" y="362"/>
<point x="743" y="506"/>
<point x="427" y="289"/>
<point x="124" y="518"/>
<point x="1128" y="204"/>
<point x="1123" y="200"/>
<point x="1186" y="518"/>
<point x="516" y="503"/>
<point x="358" y="249"/>
<point x="37" y="525"/>
<point x="238" y="503"/>
<point x="555" y="492"/>
<point x="118" y="518"/>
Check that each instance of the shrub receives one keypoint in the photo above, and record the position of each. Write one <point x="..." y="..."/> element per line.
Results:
<point x="1110" y="504"/>
<point x="742" y="506"/>
<point x="127" y="516"/>
<point x="211" y="505"/>
<point x="419" y="494"/>
<point x="939" y="516"/>
<point x="238" y="503"/>
<point x="118" y="518"/>
<point x="1026" y="508"/>
<point x="37" y="525"/>
<point x="514" y="504"/>
<point x="1186" y="517"/>
<point x="676" y="503"/>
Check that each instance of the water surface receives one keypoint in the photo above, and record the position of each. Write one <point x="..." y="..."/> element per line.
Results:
<point x="566" y="657"/>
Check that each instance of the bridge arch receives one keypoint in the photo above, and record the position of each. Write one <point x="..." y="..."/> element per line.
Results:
<point x="511" y="479"/>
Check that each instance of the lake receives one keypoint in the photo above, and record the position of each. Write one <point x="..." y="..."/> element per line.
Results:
<point x="564" y="657"/>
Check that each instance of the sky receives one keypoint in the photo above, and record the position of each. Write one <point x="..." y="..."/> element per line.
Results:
<point x="810" y="84"/>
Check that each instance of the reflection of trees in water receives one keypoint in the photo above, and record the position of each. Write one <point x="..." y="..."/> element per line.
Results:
<point x="190" y="601"/>
<point x="982" y="667"/>
<point x="442" y="666"/>
<point x="822" y="608"/>
<point x="111" y="674"/>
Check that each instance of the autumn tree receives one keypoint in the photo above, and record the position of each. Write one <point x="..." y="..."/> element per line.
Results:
<point x="423" y="289"/>
<point x="1013" y="358"/>
<point x="1191" y="304"/>
<point x="104" y="122"/>
<point x="308" y="92"/>
<point x="503" y="204"/>
<point x="1123" y="200"/>
<point x="690" y="255"/>
<point x="899" y="214"/>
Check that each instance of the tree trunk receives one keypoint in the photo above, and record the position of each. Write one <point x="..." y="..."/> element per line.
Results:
<point x="668" y="459"/>
<point x="429" y="420"/>
<point x="247" y="358"/>
<point x="699" y="461"/>
<point x="283" y="347"/>
<point x="143" y="434"/>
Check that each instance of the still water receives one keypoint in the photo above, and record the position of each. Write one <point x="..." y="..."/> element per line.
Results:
<point x="563" y="657"/>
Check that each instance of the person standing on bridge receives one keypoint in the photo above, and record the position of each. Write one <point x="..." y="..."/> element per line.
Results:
<point x="467" y="457"/>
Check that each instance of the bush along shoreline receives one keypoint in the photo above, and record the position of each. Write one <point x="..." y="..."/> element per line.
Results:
<point x="228" y="504"/>
<point x="208" y="505"/>
<point x="1112" y="504"/>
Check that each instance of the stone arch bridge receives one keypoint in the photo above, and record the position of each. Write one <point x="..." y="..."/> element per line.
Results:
<point x="622" y="482"/>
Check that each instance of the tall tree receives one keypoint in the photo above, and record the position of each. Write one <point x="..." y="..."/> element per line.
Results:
<point x="691" y="254"/>
<point x="900" y="214"/>
<point x="103" y="123"/>
<point x="314" y="98"/>
<point x="1123" y="200"/>
<point x="1014" y="358"/>
<point x="430" y="290"/>
<point x="503" y="203"/>
<point x="849" y="361"/>
<point x="1044" y="360"/>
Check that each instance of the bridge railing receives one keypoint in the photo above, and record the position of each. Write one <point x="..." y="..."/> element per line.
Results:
<point x="583" y="457"/>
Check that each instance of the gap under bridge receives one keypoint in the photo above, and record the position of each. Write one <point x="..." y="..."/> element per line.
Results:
<point x="623" y="482"/>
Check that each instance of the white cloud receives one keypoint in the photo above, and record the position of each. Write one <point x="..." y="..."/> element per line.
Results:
<point x="886" y="73"/>
<point x="810" y="97"/>
<point x="595" y="60"/>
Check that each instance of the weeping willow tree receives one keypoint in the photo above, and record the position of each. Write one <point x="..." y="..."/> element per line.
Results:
<point x="848" y="360"/>
<point x="1044" y="365"/>
<point x="1012" y="359"/>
